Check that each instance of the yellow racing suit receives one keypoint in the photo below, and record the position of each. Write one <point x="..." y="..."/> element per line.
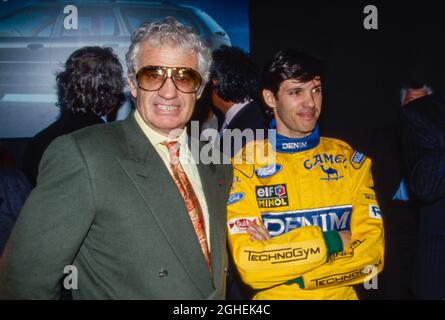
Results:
<point x="304" y="191"/>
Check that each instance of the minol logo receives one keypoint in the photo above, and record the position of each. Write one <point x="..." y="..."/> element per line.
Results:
<point x="272" y="196"/>
<point x="293" y="145"/>
<point x="328" y="219"/>
<point x="268" y="171"/>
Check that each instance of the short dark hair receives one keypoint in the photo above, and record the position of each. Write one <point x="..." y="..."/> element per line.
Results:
<point x="290" y="64"/>
<point x="235" y="73"/>
<point x="91" y="82"/>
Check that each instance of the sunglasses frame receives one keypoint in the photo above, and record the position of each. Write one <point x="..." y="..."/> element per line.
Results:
<point x="168" y="73"/>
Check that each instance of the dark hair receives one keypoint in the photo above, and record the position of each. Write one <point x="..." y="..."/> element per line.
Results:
<point x="290" y="64"/>
<point x="235" y="73"/>
<point x="91" y="82"/>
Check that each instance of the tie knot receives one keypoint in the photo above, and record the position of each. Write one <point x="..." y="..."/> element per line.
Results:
<point x="173" y="150"/>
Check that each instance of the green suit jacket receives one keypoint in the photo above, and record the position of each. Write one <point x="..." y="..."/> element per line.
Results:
<point x="106" y="204"/>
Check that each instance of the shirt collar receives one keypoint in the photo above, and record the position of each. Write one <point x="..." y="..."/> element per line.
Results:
<point x="285" y="144"/>
<point x="231" y="113"/>
<point x="155" y="137"/>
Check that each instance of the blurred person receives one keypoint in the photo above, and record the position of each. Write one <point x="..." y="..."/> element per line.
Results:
<point x="424" y="153"/>
<point x="307" y="225"/>
<point x="89" y="88"/>
<point x="234" y="79"/>
<point x="401" y="210"/>
<point x="234" y="83"/>
<point x="14" y="189"/>
<point x="207" y="115"/>
<point x="124" y="203"/>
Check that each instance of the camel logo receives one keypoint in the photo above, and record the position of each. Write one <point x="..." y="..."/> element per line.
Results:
<point x="332" y="174"/>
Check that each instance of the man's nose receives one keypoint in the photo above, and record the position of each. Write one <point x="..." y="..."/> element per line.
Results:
<point x="168" y="89"/>
<point x="309" y="101"/>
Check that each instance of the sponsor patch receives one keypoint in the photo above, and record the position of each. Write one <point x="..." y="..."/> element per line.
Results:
<point x="268" y="171"/>
<point x="357" y="159"/>
<point x="374" y="212"/>
<point x="272" y="196"/>
<point x="235" y="197"/>
<point x="347" y="253"/>
<point x="339" y="278"/>
<point x="369" y="196"/>
<point x="239" y="225"/>
<point x="328" y="219"/>
<point x="284" y="255"/>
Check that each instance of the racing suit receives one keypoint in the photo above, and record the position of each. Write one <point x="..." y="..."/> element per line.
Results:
<point x="313" y="188"/>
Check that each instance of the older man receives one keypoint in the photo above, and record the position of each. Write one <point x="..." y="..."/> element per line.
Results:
<point x="116" y="208"/>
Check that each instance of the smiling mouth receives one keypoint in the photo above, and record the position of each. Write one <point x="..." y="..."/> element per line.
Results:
<point x="306" y="116"/>
<point x="163" y="107"/>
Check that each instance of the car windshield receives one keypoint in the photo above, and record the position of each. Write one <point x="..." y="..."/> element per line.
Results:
<point x="32" y="22"/>
<point x="211" y="24"/>
<point x="134" y="16"/>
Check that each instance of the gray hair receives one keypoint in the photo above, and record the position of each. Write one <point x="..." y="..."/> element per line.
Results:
<point x="170" y="32"/>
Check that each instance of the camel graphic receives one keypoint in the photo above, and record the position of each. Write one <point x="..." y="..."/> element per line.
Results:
<point x="329" y="172"/>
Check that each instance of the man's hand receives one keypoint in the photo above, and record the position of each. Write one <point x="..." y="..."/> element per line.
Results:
<point x="345" y="238"/>
<point x="258" y="232"/>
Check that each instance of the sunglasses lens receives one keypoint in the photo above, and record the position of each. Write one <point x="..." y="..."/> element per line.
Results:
<point x="152" y="78"/>
<point x="187" y="80"/>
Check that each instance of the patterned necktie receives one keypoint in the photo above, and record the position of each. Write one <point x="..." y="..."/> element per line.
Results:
<point x="191" y="200"/>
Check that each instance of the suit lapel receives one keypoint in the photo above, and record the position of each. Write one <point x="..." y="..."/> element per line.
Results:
<point x="211" y="187"/>
<point x="163" y="200"/>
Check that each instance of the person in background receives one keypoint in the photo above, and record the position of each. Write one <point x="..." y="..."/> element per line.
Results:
<point x="89" y="88"/>
<point x="423" y="127"/>
<point x="401" y="210"/>
<point x="14" y="189"/>
<point x="234" y="78"/>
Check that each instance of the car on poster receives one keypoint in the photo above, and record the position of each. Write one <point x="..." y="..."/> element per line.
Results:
<point x="37" y="39"/>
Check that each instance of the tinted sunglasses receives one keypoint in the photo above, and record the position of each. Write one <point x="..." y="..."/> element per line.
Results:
<point x="152" y="78"/>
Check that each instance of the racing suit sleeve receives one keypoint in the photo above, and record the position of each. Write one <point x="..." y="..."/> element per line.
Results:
<point x="363" y="258"/>
<point x="263" y="264"/>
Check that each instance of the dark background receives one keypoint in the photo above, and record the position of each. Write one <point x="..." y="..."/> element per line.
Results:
<point x="365" y="68"/>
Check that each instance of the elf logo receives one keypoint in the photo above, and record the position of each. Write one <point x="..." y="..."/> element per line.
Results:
<point x="272" y="196"/>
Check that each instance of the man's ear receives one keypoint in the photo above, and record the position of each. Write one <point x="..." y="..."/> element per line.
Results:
<point x="133" y="89"/>
<point x="200" y="91"/>
<point x="269" y="98"/>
